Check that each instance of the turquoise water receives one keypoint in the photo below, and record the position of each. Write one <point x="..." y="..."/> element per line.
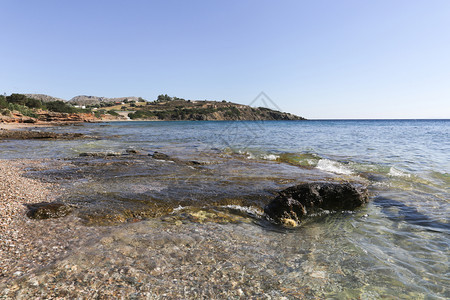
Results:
<point x="397" y="246"/>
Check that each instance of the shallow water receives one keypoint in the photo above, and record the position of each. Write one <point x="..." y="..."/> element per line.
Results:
<point x="203" y="226"/>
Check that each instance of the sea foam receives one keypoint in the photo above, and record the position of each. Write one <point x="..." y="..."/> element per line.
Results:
<point x="333" y="167"/>
<point x="397" y="173"/>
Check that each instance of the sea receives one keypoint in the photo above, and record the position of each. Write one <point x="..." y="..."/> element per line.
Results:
<point x="205" y="199"/>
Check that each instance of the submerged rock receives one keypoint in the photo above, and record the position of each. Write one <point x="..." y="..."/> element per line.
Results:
<point x="305" y="199"/>
<point x="30" y="134"/>
<point x="132" y="151"/>
<point x="160" y="156"/>
<point x="48" y="210"/>
<point x="99" y="154"/>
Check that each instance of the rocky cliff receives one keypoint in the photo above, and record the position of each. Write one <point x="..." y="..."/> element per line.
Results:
<point x="48" y="117"/>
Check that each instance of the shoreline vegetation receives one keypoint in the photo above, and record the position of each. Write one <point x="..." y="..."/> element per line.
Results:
<point x="38" y="109"/>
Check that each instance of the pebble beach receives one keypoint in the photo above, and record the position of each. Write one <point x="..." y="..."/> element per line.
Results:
<point x="27" y="245"/>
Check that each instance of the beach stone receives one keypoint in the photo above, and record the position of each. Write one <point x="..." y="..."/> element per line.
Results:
<point x="298" y="201"/>
<point x="161" y="156"/>
<point x="46" y="210"/>
<point x="132" y="151"/>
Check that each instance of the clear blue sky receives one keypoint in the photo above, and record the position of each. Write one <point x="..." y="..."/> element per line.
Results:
<point x="317" y="59"/>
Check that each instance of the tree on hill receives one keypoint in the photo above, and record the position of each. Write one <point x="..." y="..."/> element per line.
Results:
<point x="21" y="99"/>
<point x="162" y="98"/>
<point x="60" y="106"/>
<point x="3" y="102"/>
<point x="17" y="99"/>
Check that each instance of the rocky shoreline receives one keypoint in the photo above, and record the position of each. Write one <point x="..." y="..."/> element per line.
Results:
<point x="161" y="254"/>
<point x="47" y="258"/>
<point x="27" y="135"/>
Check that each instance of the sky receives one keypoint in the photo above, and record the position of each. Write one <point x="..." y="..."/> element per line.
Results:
<point x="320" y="59"/>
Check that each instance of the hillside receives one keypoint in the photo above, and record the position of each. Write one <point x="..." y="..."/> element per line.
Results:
<point x="38" y="107"/>
<point x="206" y="110"/>
<point x="94" y="100"/>
<point x="43" y="98"/>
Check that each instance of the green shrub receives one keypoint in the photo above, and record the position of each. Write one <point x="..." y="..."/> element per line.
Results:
<point x="60" y="106"/>
<point x="22" y="109"/>
<point x="141" y="114"/>
<point x="33" y="103"/>
<point x="3" y="102"/>
<point x="112" y="112"/>
<point x="17" y="99"/>
<point x="98" y="113"/>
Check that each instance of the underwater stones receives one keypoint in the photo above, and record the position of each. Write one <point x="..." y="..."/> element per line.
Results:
<point x="161" y="156"/>
<point x="302" y="200"/>
<point x="132" y="151"/>
<point x="48" y="210"/>
<point x="32" y="134"/>
<point x="99" y="154"/>
<point x="288" y="222"/>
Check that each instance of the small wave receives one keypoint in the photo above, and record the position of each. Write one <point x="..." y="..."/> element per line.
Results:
<point x="270" y="157"/>
<point x="246" y="209"/>
<point x="299" y="159"/>
<point x="177" y="209"/>
<point x="252" y="155"/>
<point x="333" y="167"/>
<point x="397" y="173"/>
<point x="249" y="155"/>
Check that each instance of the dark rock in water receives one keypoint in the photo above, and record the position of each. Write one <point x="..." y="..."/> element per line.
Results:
<point x="132" y="151"/>
<point x="162" y="156"/>
<point x="301" y="200"/>
<point x="196" y="163"/>
<point x="47" y="210"/>
<point x="31" y="134"/>
<point x="100" y="154"/>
